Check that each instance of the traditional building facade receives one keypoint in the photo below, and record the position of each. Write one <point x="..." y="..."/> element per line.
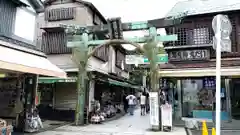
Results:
<point x="107" y="62"/>
<point x="21" y="62"/>
<point x="192" y="61"/>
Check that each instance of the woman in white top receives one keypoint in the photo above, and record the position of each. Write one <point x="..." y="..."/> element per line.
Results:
<point x="143" y="103"/>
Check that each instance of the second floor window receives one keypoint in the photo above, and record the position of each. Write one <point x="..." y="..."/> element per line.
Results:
<point x="120" y="61"/>
<point x="55" y="43"/>
<point x="60" y="14"/>
<point x="25" y="24"/>
<point x="199" y="36"/>
<point x="102" y="53"/>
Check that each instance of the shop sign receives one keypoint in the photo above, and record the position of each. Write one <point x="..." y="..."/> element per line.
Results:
<point x="189" y="55"/>
<point x="154" y="109"/>
<point x="54" y="80"/>
<point x="68" y="80"/>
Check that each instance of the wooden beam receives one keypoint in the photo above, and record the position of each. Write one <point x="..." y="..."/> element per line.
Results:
<point x="132" y="26"/>
<point x="158" y="23"/>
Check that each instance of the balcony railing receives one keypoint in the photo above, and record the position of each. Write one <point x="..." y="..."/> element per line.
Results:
<point x="188" y="36"/>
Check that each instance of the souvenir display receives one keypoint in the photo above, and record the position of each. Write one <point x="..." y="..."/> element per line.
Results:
<point x="106" y="109"/>
<point x="4" y="128"/>
<point x="205" y="98"/>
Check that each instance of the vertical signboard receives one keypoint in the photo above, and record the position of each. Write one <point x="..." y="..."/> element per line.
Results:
<point x="154" y="109"/>
<point x="166" y="116"/>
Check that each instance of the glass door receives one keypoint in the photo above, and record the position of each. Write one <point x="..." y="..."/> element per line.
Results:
<point x="198" y="98"/>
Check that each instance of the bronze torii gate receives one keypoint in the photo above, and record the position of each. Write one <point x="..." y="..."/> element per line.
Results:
<point x="81" y="38"/>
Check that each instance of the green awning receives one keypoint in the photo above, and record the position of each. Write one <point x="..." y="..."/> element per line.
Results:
<point x="54" y="80"/>
<point x="48" y="80"/>
<point x="136" y="87"/>
<point x="118" y="83"/>
<point x="123" y="84"/>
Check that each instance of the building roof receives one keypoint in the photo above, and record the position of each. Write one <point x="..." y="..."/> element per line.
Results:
<point x="36" y="4"/>
<point x="87" y="4"/>
<point x="198" y="7"/>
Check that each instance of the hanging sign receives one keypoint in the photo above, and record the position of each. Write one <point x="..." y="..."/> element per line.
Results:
<point x="154" y="109"/>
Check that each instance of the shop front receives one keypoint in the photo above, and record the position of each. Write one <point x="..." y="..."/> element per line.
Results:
<point x="58" y="98"/>
<point x="194" y="93"/>
<point x="20" y="68"/>
<point x="107" y="102"/>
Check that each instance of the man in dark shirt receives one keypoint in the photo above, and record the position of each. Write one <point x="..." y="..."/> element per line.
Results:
<point x="147" y="103"/>
<point x="125" y="103"/>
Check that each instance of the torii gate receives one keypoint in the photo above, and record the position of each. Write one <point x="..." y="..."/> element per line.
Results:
<point x="81" y="40"/>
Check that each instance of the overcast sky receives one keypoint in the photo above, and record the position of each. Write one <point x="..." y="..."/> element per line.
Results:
<point x="134" y="10"/>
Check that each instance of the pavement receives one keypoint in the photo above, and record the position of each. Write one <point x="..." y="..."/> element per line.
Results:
<point x="127" y="125"/>
<point x="227" y="132"/>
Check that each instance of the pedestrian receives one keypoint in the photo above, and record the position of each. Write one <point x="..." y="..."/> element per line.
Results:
<point x="125" y="103"/>
<point x="131" y="103"/>
<point x="147" y="103"/>
<point x="143" y="103"/>
<point x="163" y="96"/>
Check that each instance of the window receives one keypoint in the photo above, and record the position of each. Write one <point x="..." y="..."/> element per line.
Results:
<point x="25" y="24"/>
<point x="199" y="36"/>
<point x="102" y="53"/>
<point x="198" y="97"/>
<point x="55" y="43"/>
<point x="60" y="14"/>
<point x="119" y="59"/>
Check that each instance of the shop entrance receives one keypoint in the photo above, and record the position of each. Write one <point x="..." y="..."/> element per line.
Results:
<point x="235" y="99"/>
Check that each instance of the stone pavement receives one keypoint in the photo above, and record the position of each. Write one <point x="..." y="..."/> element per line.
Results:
<point x="229" y="132"/>
<point x="127" y="125"/>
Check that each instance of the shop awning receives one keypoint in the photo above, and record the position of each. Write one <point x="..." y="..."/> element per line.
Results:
<point x="198" y="72"/>
<point x="54" y="80"/>
<point x="123" y="84"/>
<point x="14" y="60"/>
<point x="118" y="83"/>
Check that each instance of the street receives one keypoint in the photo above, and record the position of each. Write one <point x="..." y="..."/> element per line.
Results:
<point x="127" y="125"/>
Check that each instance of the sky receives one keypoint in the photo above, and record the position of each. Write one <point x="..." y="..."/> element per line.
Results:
<point x="134" y="10"/>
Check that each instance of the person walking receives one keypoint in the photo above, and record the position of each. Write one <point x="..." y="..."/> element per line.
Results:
<point x="125" y="103"/>
<point x="131" y="103"/>
<point x="143" y="103"/>
<point x="147" y="103"/>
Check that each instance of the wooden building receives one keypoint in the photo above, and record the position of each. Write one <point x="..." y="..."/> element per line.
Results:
<point x="192" y="61"/>
<point x="20" y="61"/>
<point x="106" y="65"/>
